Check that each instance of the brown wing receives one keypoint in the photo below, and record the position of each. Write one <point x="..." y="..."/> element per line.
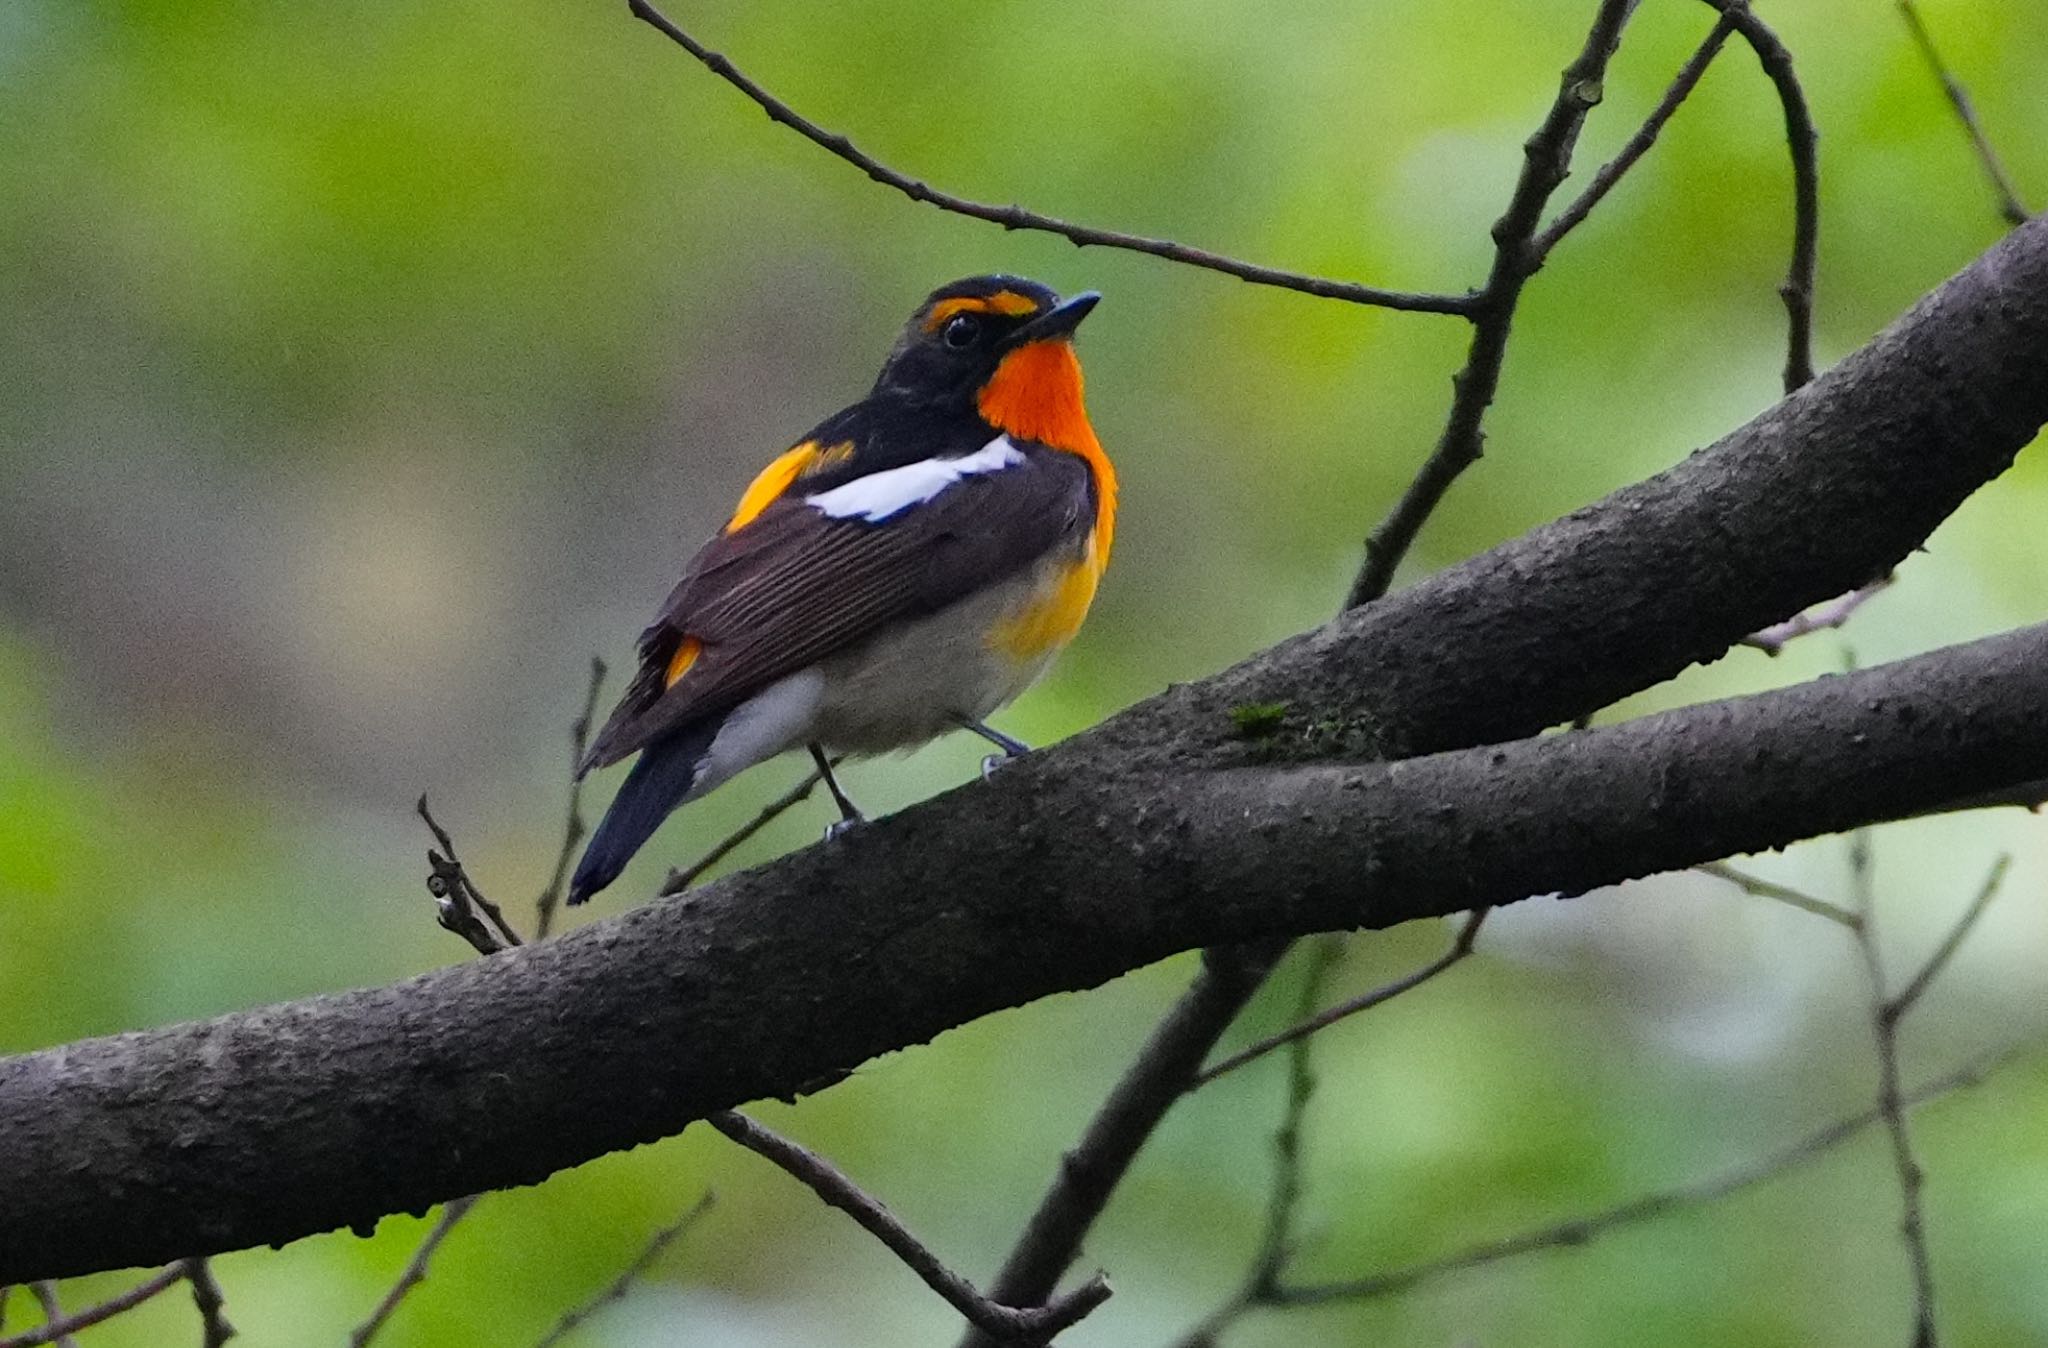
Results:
<point x="796" y="585"/>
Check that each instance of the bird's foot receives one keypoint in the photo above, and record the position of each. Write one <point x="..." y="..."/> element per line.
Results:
<point x="839" y="828"/>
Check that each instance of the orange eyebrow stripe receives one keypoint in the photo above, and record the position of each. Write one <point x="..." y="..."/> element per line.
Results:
<point x="679" y="663"/>
<point x="770" y="483"/>
<point x="1007" y="302"/>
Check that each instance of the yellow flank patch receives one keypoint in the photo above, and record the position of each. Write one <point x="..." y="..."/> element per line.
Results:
<point x="771" y="482"/>
<point x="679" y="663"/>
<point x="1054" y="615"/>
<point x="1006" y="302"/>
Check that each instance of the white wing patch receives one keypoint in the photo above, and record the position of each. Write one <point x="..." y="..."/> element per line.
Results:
<point x="878" y="496"/>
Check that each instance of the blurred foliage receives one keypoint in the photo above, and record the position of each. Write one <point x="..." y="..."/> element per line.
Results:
<point x="368" y="365"/>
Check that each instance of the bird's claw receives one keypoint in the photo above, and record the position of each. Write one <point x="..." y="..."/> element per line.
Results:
<point x="839" y="828"/>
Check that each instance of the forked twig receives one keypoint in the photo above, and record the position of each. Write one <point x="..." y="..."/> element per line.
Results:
<point x="58" y="1330"/>
<point x="1610" y="173"/>
<point x="1546" y="159"/>
<point x="1315" y="1020"/>
<point x="1017" y="217"/>
<point x="1006" y="1323"/>
<point x="1276" y="1244"/>
<point x="1582" y="1231"/>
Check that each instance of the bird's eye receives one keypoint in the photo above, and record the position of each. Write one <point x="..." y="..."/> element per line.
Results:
<point x="961" y="332"/>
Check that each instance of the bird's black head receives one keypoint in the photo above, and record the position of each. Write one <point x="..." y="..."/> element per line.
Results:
<point x="960" y="334"/>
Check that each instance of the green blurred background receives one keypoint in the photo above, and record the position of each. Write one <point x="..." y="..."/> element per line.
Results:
<point x="368" y="366"/>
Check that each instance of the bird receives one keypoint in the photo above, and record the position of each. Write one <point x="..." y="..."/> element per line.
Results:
<point x="910" y="565"/>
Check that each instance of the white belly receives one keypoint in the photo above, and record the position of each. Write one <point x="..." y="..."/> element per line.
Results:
<point x="920" y="679"/>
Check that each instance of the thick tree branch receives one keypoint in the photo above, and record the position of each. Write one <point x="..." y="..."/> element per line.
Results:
<point x="1160" y="830"/>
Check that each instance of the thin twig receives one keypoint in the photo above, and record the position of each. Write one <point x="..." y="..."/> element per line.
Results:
<point x="60" y="1329"/>
<point x="212" y="1305"/>
<point x="1310" y="1023"/>
<point x="1017" y="217"/>
<point x="2010" y="208"/>
<point x="682" y="879"/>
<point x="1891" y="1107"/>
<point x="1638" y="145"/>
<point x="1797" y="291"/>
<point x="1582" y="1231"/>
<point x="1904" y="1000"/>
<point x="1276" y="1244"/>
<point x="1785" y="894"/>
<point x="1091" y="1169"/>
<point x="458" y="901"/>
<point x="414" y="1273"/>
<point x="1007" y="1323"/>
<point x="1823" y="617"/>
<point x="573" y="829"/>
<point x="53" y="1313"/>
<point x="658" y="1242"/>
<point x="1546" y="159"/>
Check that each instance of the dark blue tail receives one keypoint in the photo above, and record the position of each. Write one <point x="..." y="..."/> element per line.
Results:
<point x="655" y="786"/>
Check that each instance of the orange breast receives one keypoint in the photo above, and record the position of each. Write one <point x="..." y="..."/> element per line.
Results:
<point x="1035" y="394"/>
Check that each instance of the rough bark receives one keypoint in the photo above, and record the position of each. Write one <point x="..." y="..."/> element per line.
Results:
<point x="1162" y="830"/>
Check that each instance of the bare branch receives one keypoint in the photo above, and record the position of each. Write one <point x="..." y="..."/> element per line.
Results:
<point x="212" y="1306"/>
<point x="461" y="906"/>
<point x="1891" y="1105"/>
<point x="1461" y="946"/>
<point x="1820" y="618"/>
<point x="1638" y="145"/>
<point x="681" y="879"/>
<point x="1006" y="1323"/>
<point x="1017" y="217"/>
<point x="1546" y="159"/>
<point x="619" y="1286"/>
<point x="1276" y="1245"/>
<point x="60" y="1327"/>
<point x="1582" y="1231"/>
<point x="573" y="827"/>
<point x="2010" y="208"/>
<point x="1785" y="894"/>
<point x="1797" y="291"/>
<point x="45" y="1292"/>
<point x="415" y="1271"/>
<point x="1904" y="1000"/>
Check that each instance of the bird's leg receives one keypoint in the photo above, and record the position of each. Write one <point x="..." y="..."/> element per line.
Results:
<point x="1010" y="748"/>
<point x="849" y="813"/>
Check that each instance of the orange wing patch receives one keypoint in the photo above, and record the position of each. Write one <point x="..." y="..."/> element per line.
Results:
<point x="679" y="663"/>
<point x="1006" y="302"/>
<point x="771" y="482"/>
<point x="1035" y="394"/>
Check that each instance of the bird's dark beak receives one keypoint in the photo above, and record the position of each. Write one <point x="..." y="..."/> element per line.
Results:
<point x="1056" y="322"/>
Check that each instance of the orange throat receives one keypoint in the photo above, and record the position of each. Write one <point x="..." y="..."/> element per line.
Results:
<point x="1035" y="394"/>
